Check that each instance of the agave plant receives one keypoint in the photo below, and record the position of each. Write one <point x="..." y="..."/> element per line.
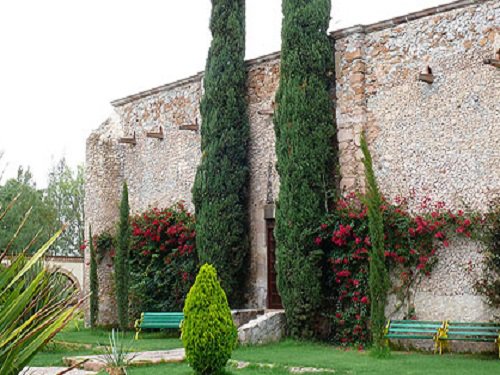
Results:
<point x="117" y="354"/>
<point x="33" y="306"/>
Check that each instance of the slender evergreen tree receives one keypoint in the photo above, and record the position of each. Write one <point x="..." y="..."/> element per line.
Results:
<point x="94" y="282"/>
<point x="304" y="129"/>
<point x="378" y="279"/>
<point x="121" y="261"/>
<point x="220" y="189"/>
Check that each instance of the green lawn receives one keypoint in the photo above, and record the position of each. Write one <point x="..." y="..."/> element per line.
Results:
<point x="286" y="353"/>
<point x="75" y="341"/>
<point x="344" y="362"/>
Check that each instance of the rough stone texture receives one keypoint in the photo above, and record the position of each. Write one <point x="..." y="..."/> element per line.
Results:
<point x="266" y="328"/>
<point x="160" y="173"/>
<point x="243" y="316"/>
<point x="53" y="371"/>
<point x="263" y="81"/>
<point x="440" y="139"/>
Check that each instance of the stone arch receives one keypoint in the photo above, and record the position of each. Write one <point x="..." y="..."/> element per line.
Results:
<point x="68" y="275"/>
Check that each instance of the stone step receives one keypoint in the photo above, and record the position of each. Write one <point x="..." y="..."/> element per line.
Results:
<point x="97" y="362"/>
<point x="54" y="371"/>
<point x="265" y="328"/>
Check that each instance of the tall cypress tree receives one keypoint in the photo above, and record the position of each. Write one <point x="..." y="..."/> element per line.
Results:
<point x="94" y="282"/>
<point x="121" y="261"/>
<point x="304" y="129"/>
<point x="378" y="280"/>
<point x="220" y="189"/>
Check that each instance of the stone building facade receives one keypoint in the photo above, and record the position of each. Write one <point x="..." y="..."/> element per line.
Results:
<point x="440" y="139"/>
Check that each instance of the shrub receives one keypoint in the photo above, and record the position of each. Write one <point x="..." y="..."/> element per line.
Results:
<point x="304" y="128"/>
<point x="221" y="184"/>
<point x="163" y="260"/>
<point x="489" y="284"/>
<point x="208" y="332"/>
<point x="121" y="261"/>
<point x="412" y="243"/>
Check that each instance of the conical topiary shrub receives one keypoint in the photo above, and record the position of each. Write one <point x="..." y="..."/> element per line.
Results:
<point x="208" y="332"/>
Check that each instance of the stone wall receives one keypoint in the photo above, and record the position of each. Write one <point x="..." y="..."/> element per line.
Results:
<point x="439" y="139"/>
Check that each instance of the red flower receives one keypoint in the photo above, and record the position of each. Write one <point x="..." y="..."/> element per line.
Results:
<point x="439" y="235"/>
<point x="344" y="273"/>
<point x="317" y="241"/>
<point x="364" y="300"/>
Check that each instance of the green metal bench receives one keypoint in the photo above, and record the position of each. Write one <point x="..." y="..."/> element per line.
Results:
<point x="158" y="320"/>
<point x="443" y="332"/>
<point x="469" y="331"/>
<point x="413" y="329"/>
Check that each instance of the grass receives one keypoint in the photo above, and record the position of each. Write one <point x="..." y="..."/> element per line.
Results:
<point x="343" y="362"/>
<point x="73" y="342"/>
<point x="76" y="341"/>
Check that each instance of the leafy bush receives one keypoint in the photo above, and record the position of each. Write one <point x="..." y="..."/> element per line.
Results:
<point x="104" y="243"/>
<point x="489" y="284"/>
<point x="411" y="246"/>
<point x="208" y="332"/>
<point x="163" y="260"/>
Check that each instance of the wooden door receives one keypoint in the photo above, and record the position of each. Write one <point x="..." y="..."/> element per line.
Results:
<point x="273" y="297"/>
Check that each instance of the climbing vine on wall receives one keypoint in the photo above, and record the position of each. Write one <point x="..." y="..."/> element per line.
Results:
<point x="412" y="243"/>
<point x="163" y="261"/>
<point x="489" y="284"/>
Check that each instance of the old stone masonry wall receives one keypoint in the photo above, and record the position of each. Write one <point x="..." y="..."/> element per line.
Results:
<point x="440" y="139"/>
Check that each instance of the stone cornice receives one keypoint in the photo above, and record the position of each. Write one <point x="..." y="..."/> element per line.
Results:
<point x="337" y="34"/>
<point x="366" y="29"/>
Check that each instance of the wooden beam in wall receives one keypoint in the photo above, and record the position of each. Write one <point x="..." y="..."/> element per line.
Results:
<point x="128" y="140"/>
<point x="193" y="127"/>
<point x="157" y="135"/>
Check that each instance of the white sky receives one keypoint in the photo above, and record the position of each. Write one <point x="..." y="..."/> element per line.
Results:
<point x="63" y="61"/>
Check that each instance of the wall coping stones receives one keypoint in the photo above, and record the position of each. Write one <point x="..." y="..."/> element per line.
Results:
<point x="156" y="90"/>
<point x="337" y="34"/>
<point x="366" y="29"/>
<point x="185" y="81"/>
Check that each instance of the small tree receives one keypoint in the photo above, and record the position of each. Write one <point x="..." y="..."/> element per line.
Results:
<point x="208" y="332"/>
<point x="94" y="282"/>
<point x="121" y="261"/>
<point x="378" y="280"/>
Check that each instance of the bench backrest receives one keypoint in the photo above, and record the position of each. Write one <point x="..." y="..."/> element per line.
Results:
<point x="474" y="331"/>
<point x="415" y="329"/>
<point x="161" y="320"/>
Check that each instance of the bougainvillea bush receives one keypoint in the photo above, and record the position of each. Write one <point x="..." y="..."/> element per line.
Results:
<point x="412" y="243"/>
<point x="163" y="260"/>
